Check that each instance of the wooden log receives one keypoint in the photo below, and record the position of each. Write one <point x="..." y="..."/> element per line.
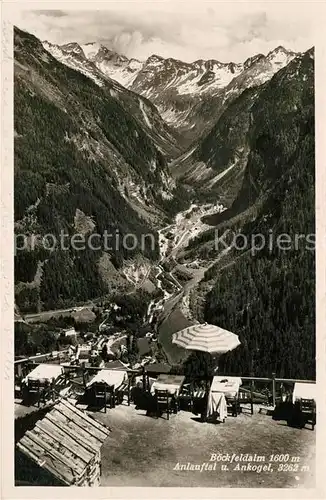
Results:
<point x="97" y="430"/>
<point x="65" y="440"/>
<point x="82" y="437"/>
<point x="88" y="440"/>
<point x="76" y="421"/>
<point x="68" y="459"/>
<point x="47" y="464"/>
<point x="51" y="458"/>
<point x="100" y="427"/>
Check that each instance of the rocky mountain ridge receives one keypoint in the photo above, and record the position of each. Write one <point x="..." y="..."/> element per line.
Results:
<point x="184" y="93"/>
<point x="218" y="161"/>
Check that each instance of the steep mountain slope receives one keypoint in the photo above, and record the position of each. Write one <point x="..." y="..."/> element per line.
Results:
<point x="266" y="294"/>
<point x="85" y="163"/>
<point x="190" y="97"/>
<point x="73" y="55"/>
<point x="218" y="161"/>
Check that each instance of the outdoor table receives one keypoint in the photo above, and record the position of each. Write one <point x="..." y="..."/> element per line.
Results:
<point x="229" y="386"/>
<point x="222" y="387"/>
<point x="170" y="383"/>
<point x="216" y="406"/>
<point x="113" y="378"/>
<point x="44" y="373"/>
<point x="304" y="391"/>
<point x="139" y="381"/>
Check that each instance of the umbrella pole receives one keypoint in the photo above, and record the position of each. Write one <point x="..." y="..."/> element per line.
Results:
<point x="204" y="415"/>
<point x="207" y="386"/>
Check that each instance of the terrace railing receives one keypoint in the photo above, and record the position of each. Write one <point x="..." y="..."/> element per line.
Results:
<point x="273" y="387"/>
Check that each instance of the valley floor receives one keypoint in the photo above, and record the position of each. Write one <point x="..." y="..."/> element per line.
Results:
<point x="144" y="451"/>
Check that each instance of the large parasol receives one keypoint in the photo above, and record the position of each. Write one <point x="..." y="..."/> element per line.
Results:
<point x="206" y="338"/>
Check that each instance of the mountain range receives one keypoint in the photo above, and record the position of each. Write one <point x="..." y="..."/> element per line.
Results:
<point x="184" y="93"/>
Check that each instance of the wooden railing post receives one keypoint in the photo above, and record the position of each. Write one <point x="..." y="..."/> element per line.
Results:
<point x="281" y="391"/>
<point x="251" y="400"/>
<point x="83" y="374"/>
<point x="144" y="379"/>
<point x="129" y="389"/>
<point x="38" y="394"/>
<point x="273" y="389"/>
<point x="252" y="386"/>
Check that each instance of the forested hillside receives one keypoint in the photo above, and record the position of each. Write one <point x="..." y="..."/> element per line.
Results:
<point x="81" y="159"/>
<point x="268" y="296"/>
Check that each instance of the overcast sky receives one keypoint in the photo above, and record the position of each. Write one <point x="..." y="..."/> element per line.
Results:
<point x="183" y="30"/>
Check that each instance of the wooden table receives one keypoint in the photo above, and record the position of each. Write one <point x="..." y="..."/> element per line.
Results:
<point x="170" y="383"/>
<point x="229" y="386"/>
<point x="222" y="387"/>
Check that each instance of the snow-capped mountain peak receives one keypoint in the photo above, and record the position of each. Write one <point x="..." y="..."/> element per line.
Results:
<point x="91" y="49"/>
<point x="73" y="48"/>
<point x="182" y="91"/>
<point x="154" y="59"/>
<point x="73" y="55"/>
<point x="280" y="55"/>
<point x="252" y="60"/>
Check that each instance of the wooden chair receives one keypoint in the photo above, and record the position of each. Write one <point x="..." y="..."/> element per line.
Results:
<point x="34" y="390"/>
<point x="60" y="383"/>
<point x="164" y="402"/>
<point x="199" y="397"/>
<point x="233" y="404"/>
<point x="104" y="393"/>
<point x="125" y="389"/>
<point x="77" y="391"/>
<point x="308" y="409"/>
<point x="120" y="392"/>
<point x="245" y="397"/>
<point x="198" y="391"/>
<point x="186" y="397"/>
<point x="39" y="390"/>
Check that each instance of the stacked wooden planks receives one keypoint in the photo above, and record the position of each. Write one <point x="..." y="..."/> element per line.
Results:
<point x="67" y="443"/>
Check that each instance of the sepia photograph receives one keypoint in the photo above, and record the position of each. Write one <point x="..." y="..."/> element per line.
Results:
<point x="164" y="241"/>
